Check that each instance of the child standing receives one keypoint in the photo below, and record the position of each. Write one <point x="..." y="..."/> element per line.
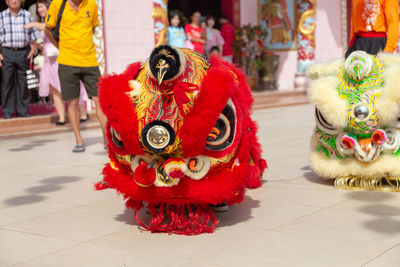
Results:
<point x="176" y="35"/>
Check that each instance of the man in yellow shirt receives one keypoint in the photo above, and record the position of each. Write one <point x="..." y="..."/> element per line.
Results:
<point x="77" y="57"/>
<point x="374" y="26"/>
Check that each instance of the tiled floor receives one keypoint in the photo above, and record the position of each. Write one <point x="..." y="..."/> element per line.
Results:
<point x="51" y="216"/>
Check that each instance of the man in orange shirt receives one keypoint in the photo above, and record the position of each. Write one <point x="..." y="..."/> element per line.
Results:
<point x="374" y="26"/>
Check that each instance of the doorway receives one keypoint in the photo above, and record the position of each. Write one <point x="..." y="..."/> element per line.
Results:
<point x="229" y="8"/>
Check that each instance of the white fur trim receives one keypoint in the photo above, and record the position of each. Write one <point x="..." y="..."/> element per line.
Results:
<point x="388" y="103"/>
<point x="136" y="88"/>
<point x="388" y="58"/>
<point x="322" y="69"/>
<point x="182" y="67"/>
<point x="323" y="94"/>
<point x="328" y="168"/>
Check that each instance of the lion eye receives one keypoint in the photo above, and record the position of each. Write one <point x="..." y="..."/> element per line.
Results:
<point x="322" y="123"/>
<point x="223" y="133"/>
<point x="116" y="138"/>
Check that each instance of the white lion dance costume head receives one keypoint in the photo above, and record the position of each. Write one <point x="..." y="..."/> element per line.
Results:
<point x="356" y="139"/>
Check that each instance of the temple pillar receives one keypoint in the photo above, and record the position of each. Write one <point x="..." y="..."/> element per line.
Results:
<point x="160" y="16"/>
<point x="305" y="42"/>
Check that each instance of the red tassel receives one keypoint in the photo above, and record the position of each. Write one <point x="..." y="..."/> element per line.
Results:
<point x="186" y="219"/>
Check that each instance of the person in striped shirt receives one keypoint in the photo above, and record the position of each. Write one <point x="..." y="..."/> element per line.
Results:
<point x="18" y="48"/>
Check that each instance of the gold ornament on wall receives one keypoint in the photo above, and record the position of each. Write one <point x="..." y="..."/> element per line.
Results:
<point x="160" y="16"/>
<point x="308" y="14"/>
<point x="98" y="38"/>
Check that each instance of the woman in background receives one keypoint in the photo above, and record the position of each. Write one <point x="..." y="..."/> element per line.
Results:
<point x="49" y="80"/>
<point x="214" y="37"/>
<point x="195" y="33"/>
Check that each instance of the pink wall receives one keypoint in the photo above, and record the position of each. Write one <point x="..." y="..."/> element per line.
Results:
<point x="286" y="71"/>
<point x="328" y="34"/>
<point x="129" y="35"/>
<point x="288" y="60"/>
<point x="328" y="38"/>
<point x="129" y="32"/>
<point x="248" y="12"/>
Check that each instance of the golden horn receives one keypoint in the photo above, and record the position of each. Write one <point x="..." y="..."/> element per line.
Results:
<point x="162" y="67"/>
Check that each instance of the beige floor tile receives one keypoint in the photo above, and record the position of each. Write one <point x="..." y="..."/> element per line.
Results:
<point x="271" y="248"/>
<point x="309" y="178"/>
<point x="298" y="194"/>
<point x="99" y="256"/>
<point x="29" y="208"/>
<point x="79" y="224"/>
<point x="18" y="246"/>
<point x="264" y="213"/>
<point x="391" y="258"/>
<point x="370" y="217"/>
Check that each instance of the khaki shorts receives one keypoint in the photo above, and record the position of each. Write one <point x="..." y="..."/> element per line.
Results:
<point x="71" y="76"/>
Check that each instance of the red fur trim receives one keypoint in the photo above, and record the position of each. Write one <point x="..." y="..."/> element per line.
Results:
<point x="100" y="186"/>
<point x="132" y="70"/>
<point x="189" y="219"/>
<point x="259" y="164"/>
<point x="119" y="110"/>
<point x="215" y="91"/>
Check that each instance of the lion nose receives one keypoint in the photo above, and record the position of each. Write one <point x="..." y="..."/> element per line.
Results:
<point x="365" y="144"/>
<point x="157" y="135"/>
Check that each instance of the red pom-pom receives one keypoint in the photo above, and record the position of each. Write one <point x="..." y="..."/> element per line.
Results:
<point x="144" y="176"/>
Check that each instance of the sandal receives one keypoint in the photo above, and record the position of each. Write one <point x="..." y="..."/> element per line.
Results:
<point x="59" y="123"/>
<point x="84" y="119"/>
<point x="78" y="148"/>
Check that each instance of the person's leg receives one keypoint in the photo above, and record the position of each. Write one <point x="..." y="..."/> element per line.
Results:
<point x="102" y="118"/>
<point x="69" y="80"/>
<point x="58" y="103"/>
<point x="83" y="116"/>
<point x="22" y="93"/>
<point x="7" y="85"/>
<point x="90" y="79"/>
<point x="73" y="115"/>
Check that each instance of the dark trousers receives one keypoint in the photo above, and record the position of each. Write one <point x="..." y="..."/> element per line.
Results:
<point x="372" y="45"/>
<point x="13" y="86"/>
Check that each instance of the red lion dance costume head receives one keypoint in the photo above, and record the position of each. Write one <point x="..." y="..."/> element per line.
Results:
<point x="180" y="138"/>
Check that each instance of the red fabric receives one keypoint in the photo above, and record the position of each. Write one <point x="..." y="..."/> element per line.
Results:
<point x="180" y="96"/>
<point x="209" y="104"/>
<point x="367" y="35"/>
<point x="118" y="108"/>
<point x="195" y="32"/>
<point x="190" y="219"/>
<point x="228" y="33"/>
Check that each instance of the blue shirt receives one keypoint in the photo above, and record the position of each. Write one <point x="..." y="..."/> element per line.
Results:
<point x="12" y="31"/>
<point x="176" y="36"/>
